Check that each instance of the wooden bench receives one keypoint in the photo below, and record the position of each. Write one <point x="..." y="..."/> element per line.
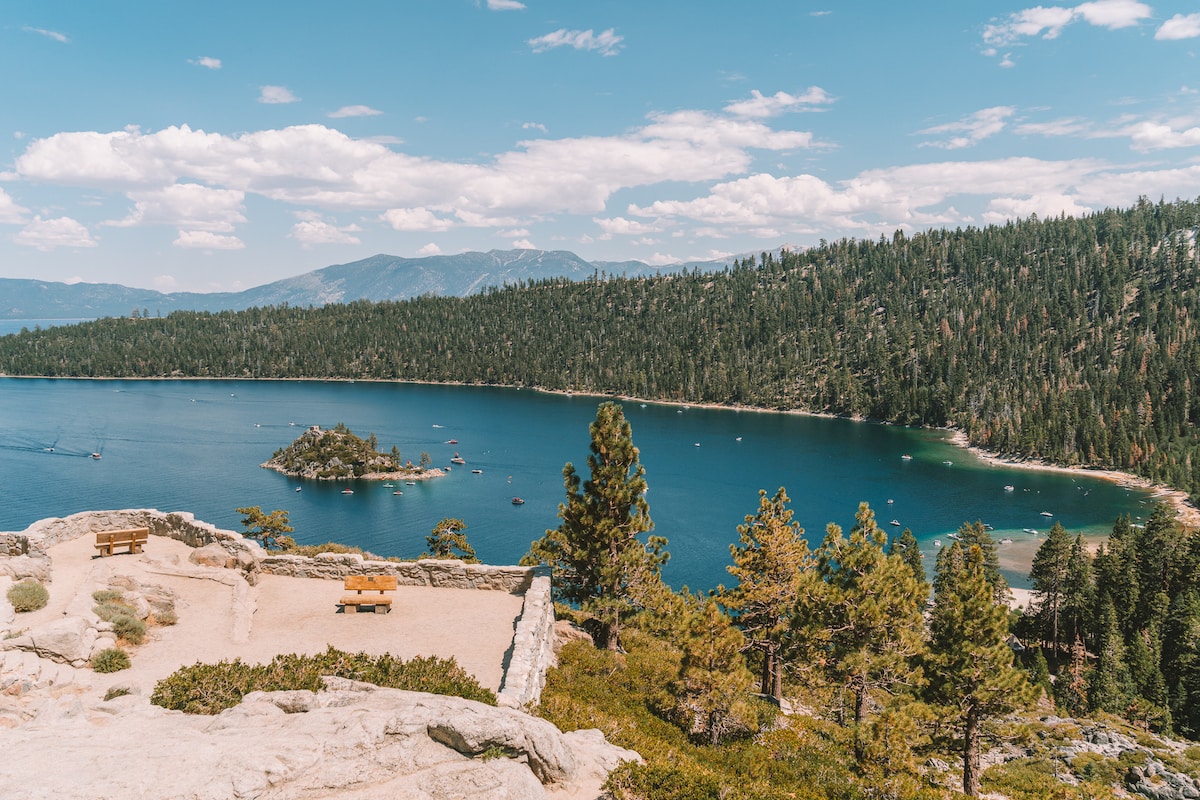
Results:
<point x="374" y="586"/>
<point x="133" y="538"/>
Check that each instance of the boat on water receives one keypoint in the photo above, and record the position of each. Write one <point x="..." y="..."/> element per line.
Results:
<point x="1006" y="540"/>
<point x="388" y="485"/>
<point x="516" y="501"/>
<point x="948" y="463"/>
<point x="895" y="522"/>
<point x="1047" y="514"/>
<point x="96" y="456"/>
<point x="890" y="501"/>
<point x="410" y="483"/>
<point x="988" y="527"/>
<point x="955" y="537"/>
<point x="1030" y="530"/>
<point x="937" y="542"/>
<point x="298" y="488"/>
<point x="347" y="491"/>
<point x="906" y="457"/>
<point x="476" y="472"/>
<point x="397" y="492"/>
<point x="458" y="459"/>
<point x="452" y="441"/>
<point x="1008" y="487"/>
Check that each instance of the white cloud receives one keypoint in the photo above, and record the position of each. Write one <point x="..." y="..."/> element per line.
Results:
<point x="186" y="205"/>
<point x="1049" y="22"/>
<point x="49" y="234"/>
<point x="661" y="260"/>
<point x="1057" y="127"/>
<point x="760" y="105"/>
<point x="504" y="5"/>
<point x="1180" y="26"/>
<point x="165" y="283"/>
<point x="207" y="240"/>
<point x="416" y="219"/>
<point x="276" y="94"/>
<point x="523" y="244"/>
<point x="10" y="212"/>
<point x="430" y="249"/>
<point x="55" y="35"/>
<point x="354" y="111"/>
<point x="1160" y="136"/>
<point x="317" y="231"/>
<point x="607" y="43"/>
<point x="620" y="226"/>
<point x="534" y="126"/>
<point x="208" y="62"/>
<point x="974" y="128"/>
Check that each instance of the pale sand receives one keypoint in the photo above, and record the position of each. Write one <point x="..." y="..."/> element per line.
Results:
<point x="289" y="615"/>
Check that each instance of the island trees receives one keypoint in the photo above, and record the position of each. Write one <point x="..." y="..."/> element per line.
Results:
<point x="969" y="663"/>
<point x="770" y="561"/>
<point x="598" y="558"/>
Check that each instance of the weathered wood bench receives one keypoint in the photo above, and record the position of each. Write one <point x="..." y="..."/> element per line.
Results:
<point x="133" y="538"/>
<point x="374" y="586"/>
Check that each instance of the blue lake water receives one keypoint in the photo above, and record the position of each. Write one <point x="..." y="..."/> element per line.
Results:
<point x="196" y="446"/>
<point x="8" y="326"/>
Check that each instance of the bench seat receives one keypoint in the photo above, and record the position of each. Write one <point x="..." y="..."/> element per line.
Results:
<point x="132" y="538"/>
<point x="369" y="590"/>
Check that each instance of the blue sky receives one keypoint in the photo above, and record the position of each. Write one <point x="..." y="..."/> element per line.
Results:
<point x="221" y="145"/>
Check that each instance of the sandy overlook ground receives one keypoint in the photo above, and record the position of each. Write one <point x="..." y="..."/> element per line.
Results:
<point x="62" y="740"/>
<point x="219" y="620"/>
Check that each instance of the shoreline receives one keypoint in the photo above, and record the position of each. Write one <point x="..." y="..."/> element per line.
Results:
<point x="1186" y="512"/>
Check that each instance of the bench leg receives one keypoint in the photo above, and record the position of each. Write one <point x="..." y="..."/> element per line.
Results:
<point x="382" y="608"/>
<point x="351" y="608"/>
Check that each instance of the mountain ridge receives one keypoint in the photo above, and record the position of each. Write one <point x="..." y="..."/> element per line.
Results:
<point x="377" y="278"/>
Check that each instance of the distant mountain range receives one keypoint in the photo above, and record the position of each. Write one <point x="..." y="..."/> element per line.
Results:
<point x="377" y="278"/>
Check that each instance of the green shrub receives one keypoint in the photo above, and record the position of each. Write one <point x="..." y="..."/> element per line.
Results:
<point x="109" y="610"/>
<point x="131" y="629"/>
<point x="106" y="595"/>
<point x="112" y="659"/>
<point x="116" y="691"/>
<point x="165" y="617"/>
<point x="28" y="596"/>
<point x="212" y="688"/>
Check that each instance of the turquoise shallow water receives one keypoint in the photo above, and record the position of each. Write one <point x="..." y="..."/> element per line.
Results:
<point x="196" y="446"/>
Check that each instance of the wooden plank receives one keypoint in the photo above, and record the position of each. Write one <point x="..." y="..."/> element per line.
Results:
<point x="380" y="583"/>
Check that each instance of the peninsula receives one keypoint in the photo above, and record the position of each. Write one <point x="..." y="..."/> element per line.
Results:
<point x="339" y="454"/>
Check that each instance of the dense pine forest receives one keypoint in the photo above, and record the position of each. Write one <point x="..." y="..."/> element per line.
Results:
<point x="1072" y="340"/>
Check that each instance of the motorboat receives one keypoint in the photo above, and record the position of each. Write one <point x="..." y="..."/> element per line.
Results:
<point x="347" y="491"/>
<point x="1008" y="487"/>
<point x="516" y="501"/>
<point x="476" y="472"/>
<point x="906" y="457"/>
<point x="458" y="459"/>
<point x="895" y="522"/>
<point x="1030" y="530"/>
<point x="1047" y="514"/>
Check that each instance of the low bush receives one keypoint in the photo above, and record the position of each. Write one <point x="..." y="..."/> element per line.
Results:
<point x="212" y="688"/>
<point x="112" y="659"/>
<point x="310" y="550"/>
<point x="106" y="595"/>
<point x="109" y="610"/>
<point x="131" y="629"/>
<point x="165" y="617"/>
<point x="28" y="596"/>
<point x="117" y="691"/>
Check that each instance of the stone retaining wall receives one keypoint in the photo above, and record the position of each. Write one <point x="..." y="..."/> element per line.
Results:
<point x="24" y="553"/>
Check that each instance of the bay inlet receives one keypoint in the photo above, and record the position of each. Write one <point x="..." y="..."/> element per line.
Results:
<point x="196" y="445"/>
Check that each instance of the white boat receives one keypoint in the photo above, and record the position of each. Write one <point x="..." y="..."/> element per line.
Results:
<point x="895" y="522"/>
<point x="347" y="491"/>
<point x="1030" y="530"/>
<point x="937" y="542"/>
<point x="476" y="472"/>
<point x="890" y="501"/>
<point x="1006" y="540"/>
<point x="397" y="492"/>
<point x="388" y="485"/>
<point x="298" y="488"/>
<point x="1047" y="514"/>
<point x="96" y="456"/>
<point x="906" y="457"/>
<point x="948" y="463"/>
<point x="1008" y="487"/>
<point x="955" y="537"/>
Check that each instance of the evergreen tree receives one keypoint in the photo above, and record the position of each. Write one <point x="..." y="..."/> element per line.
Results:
<point x="713" y="681"/>
<point x="770" y="562"/>
<point x="597" y="557"/>
<point x="1078" y="592"/>
<point x="270" y="529"/>
<point x="1048" y="577"/>
<point x="975" y="534"/>
<point x="447" y="540"/>
<point x="864" y="616"/>
<point x="907" y="547"/>
<point x="969" y="664"/>
<point x="1109" y="684"/>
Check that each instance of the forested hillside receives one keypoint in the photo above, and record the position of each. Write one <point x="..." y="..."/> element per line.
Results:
<point x="1073" y="340"/>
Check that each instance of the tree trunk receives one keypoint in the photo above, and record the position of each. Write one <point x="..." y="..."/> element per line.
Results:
<point x="768" y="670"/>
<point x="612" y="636"/>
<point x="777" y="684"/>
<point x="971" y="754"/>
<point x="860" y="714"/>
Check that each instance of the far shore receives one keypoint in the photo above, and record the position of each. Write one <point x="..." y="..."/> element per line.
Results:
<point x="1186" y="511"/>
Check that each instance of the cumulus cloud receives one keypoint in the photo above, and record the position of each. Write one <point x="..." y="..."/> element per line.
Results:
<point x="972" y="129"/>
<point x="165" y="283"/>
<point x="523" y="244"/>
<point x="533" y="126"/>
<point x="50" y="234"/>
<point x="1146" y="136"/>
<point x="10" y="212"/>
<point x="208" y="62"/>
<point x="273" y="95"/>
<point x="430" y="249"/>
<point x="1180" y="26"/>
<point x="207" y="240"/>
<point x="760" y="105"/>
<point x="607" y="43"/>
<point x="354" y="111"/>
<point x="1049" y="22"/>
<point x="313" y="231"/>
<point x="186" y="205"/>
<point x="416" y="219"/>
<point x="55" y="35"/>
<point x="504" y="5"/>
<point x="620" y="226"/>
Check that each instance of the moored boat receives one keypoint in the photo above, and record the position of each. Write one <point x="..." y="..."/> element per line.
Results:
<point x="516" y="501"/>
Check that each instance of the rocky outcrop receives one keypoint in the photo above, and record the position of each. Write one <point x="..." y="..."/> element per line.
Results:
<point x="354" y="741"/>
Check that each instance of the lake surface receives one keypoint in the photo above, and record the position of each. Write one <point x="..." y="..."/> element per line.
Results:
<point x="196" y="446"/>
<point x="8" y="326"/>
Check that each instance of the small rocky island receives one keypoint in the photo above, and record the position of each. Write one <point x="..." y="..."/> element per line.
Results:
<point x="338" y="454"/>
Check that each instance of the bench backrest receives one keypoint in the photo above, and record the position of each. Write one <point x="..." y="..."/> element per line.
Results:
<point x="380" y="583"/>
<point x="123" y="537"/>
